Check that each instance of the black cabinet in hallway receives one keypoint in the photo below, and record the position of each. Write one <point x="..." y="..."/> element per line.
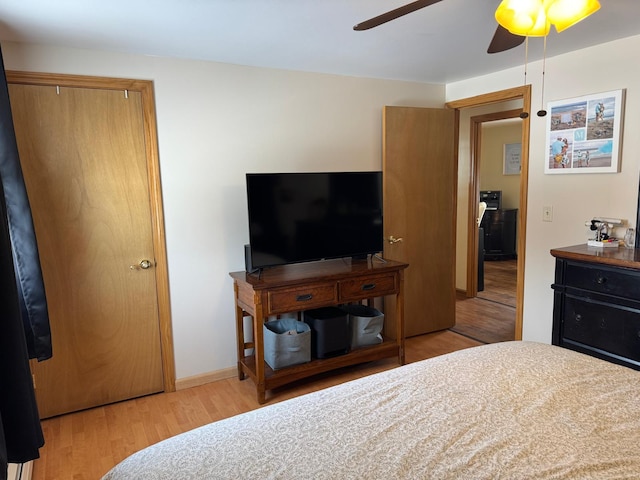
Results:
<point x="499" y="228"/>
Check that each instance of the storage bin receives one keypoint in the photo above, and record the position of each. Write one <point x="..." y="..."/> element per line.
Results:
<point x="330" y="335"/>
<point x="286" y="342"/>
<point x="366" y="325"/>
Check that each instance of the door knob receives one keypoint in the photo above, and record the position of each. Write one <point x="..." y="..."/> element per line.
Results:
<point x="393" y="239"/>
<point x="144" y="264"/>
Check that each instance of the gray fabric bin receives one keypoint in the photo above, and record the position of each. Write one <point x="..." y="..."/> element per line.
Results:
<point x="281" y="347"/>
<point x="366" y="325"/>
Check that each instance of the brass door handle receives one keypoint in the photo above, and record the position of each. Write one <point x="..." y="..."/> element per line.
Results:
<point x="144" y="264"/>
<point x="393" y="239"/>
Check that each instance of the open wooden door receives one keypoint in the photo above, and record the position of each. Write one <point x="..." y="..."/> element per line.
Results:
<point x="419" y="189"/>
<point x="83" y="154"/>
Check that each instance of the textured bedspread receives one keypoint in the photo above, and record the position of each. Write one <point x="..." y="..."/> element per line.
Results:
<point x="514" y="410"/>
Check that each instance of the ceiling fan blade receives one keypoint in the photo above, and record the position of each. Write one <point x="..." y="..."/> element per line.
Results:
<point x="503" y="40"/>
<point x="393" y="14"/>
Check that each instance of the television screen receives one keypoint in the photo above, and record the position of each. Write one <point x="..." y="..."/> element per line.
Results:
<point x="301" y="217"/>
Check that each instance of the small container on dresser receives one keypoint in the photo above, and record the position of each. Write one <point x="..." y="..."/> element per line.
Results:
<point x="596" y="306"/>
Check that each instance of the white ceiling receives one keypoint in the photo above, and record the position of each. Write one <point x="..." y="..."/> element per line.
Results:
<point x="441" y="43"/>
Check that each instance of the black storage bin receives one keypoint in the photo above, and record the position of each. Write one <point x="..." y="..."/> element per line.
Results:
<point x="330" y="334"/>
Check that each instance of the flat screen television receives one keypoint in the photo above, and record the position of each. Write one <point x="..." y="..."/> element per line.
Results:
<point x="303" y="217"/>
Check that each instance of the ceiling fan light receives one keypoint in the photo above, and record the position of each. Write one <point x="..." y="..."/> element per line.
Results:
<point x="523" y="17"/>
<point x="565" y="13"/>
<point x="542" y="25"/>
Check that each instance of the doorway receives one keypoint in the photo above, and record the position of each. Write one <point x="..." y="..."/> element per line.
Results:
<point x="489" y="317"/>
<point x="472" y="163"/>
<point x="499" y="183"/>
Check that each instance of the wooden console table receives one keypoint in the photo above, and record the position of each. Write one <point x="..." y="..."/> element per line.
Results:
<point x="294" y="288"/>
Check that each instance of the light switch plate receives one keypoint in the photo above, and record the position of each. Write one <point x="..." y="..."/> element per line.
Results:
<point x="547" y="213"/>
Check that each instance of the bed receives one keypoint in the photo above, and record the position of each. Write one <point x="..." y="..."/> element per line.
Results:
<point x="512" y="410"/>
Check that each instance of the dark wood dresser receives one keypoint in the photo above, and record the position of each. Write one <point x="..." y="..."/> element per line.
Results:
<point x="596" y="307"/>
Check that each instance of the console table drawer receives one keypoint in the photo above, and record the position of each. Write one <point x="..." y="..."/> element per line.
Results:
<point x="602" y="326"/>
<point x="301" y="298"/>
<point x="375" y="286"/>
<point x="601" y="279"/>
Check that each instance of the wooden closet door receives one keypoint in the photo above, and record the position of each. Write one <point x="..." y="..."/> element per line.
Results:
<point x="83" y="156"/>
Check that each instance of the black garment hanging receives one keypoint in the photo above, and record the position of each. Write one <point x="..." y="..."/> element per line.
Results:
<point x="31" y="293"/>
<point x="21" y="434"/>
<point x="23" y="310"/>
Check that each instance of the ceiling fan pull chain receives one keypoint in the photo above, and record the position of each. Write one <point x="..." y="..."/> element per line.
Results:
<point x="526" y="55"/>
<point x="524" y="114"/>
<point x="542" y="112"/>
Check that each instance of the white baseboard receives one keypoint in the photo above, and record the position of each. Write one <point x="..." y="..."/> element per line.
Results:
<point x="20" y="471"/>
<point x="204" y="378"/>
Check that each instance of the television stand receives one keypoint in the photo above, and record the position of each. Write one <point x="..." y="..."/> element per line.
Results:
<point x="298" y="287"/>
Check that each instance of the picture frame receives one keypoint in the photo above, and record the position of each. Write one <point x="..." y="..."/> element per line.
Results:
<point x="511" y="159"/>
<point x="584" y="134"/>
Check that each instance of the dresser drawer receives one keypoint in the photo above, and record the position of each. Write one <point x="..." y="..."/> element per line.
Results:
<point x="601" y="326"/>
<point x="601" y="279"/>
<point x="301" y="298"/>
<point x="369" y="287"/>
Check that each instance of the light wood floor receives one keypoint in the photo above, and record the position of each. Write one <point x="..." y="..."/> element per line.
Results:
<point x="500" y="278"/>
<point x="491" y="316"/>
<point x="85" y="445"/>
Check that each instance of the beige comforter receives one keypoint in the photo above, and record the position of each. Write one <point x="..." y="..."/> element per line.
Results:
<point x="514" y="410"/>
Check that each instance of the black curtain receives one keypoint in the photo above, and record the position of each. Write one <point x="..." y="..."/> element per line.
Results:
<point x="24" y="321"/>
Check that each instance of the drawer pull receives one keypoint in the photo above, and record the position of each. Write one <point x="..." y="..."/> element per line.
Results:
<point x="304" y="298"/>
<point x="601" y="280"/>
<point x="578" y="317"/>
<point x="368" y="286"/>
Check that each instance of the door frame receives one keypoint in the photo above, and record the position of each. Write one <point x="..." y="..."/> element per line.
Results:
<point x="518" y="93"/>
<point x="145" y="88"/>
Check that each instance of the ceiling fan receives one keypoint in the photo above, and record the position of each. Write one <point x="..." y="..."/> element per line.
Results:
<point x="502" y="39"/>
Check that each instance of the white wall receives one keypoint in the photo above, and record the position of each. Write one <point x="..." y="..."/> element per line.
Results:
<point x="577" y="197"/>
<point x="215" y="123"/>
